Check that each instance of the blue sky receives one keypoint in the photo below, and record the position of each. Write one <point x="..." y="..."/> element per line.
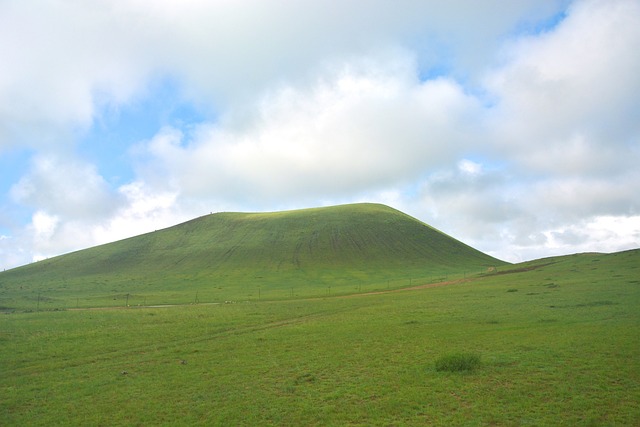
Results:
<point x="108" y="141"/>
<point x="512" y="126"/>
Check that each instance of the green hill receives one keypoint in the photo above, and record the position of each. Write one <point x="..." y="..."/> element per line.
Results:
<point x="309" y="252"/>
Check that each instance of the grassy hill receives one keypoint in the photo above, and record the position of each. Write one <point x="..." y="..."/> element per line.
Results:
<point x="556" y="339"/>
<point x="230" y="256"/>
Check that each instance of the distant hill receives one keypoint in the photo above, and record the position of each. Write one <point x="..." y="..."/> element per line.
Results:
<point x="345" y="245"/>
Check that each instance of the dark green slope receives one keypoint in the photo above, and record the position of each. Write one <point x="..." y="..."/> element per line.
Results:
<point x="310" y="247"/>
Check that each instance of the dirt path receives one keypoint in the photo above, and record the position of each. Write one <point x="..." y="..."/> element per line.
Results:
<point x="381" y="292"/>
<point x="411" y="288"/>
<point x="118" y="307"/>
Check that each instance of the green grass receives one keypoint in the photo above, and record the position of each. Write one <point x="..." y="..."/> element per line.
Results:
<point x="458" y="362"/>
<point x="238" y="256"/>
<point x="563" y="350"/>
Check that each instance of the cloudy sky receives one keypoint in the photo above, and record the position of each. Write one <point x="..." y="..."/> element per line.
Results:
<point x="512" y="126"/>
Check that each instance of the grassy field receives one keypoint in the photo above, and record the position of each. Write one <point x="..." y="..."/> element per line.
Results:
<point x="248" y="256"/>
<point x="558" y="343"/>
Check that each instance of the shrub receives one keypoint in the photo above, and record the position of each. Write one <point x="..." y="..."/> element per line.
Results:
<point x="458" y="362"/>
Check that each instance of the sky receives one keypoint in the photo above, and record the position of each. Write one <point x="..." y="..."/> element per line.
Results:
<point x="511" y="126"/>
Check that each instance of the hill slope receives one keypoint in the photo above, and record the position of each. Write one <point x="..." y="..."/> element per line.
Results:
<point x="330" y="246"/>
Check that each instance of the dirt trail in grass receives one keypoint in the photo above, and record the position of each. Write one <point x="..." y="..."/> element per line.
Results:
<point x="411" y="288"/>
<point x="381" y="292"/>
<point x="452" y="282"/>
<point x="117" y="307"/>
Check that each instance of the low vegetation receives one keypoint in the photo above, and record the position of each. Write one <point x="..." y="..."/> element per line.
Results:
<point x="458" y="362"/>
<point x="563" y="350"/>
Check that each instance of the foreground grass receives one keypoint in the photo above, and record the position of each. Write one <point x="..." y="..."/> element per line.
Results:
<point x="558" y="341"/>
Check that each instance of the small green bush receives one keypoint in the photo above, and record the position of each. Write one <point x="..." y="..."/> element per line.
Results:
<point x="458" y="362"/>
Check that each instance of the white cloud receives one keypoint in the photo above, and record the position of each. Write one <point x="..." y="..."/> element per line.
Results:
<point x="572" y="198"/>
<point x="612" y="233"/>
<point x="67" y="187"/>
<point x="233" y="50"/>
<point x="356" y="129"/>
<point x="567" y="99"/>
<point x="144" y="211"/>
<point x="469" y="167"/>
<point x="65" y="61"/>
<point x="477" y="205"/>
<point x="44" y="227"/>
<point x="62" y="62"/>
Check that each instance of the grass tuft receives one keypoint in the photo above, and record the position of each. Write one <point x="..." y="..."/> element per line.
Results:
<point x="458" y="362"/>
